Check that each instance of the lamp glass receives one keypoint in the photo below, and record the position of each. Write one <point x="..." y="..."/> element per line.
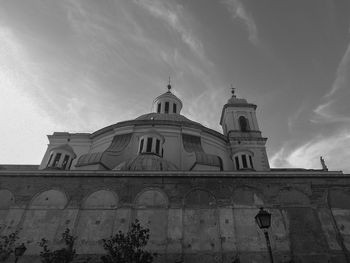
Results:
<point x="19" y="251"/>
<point x="263" y="219"/>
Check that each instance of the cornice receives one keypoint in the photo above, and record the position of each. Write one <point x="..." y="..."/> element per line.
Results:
<point x="320" y="174"/>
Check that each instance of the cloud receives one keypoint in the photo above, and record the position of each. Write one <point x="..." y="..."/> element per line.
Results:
<point x="343" y="74"/>
<point x="334" y="149"/>
<point x="335" y="107"/>
<point x="107" y="55"/>
<point x="22" y="121"/>
<point x="326" y="113"/>
<point x="239" y="12"/>
<point x="173" y="17"/>
<point x="295" y="116"/>
<point x="206" y="108"/>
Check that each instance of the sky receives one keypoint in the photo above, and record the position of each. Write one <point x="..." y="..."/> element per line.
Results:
<point x="80" y="65"/>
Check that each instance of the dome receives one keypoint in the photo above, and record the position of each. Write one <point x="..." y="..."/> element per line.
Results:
<point x="146" y="162"/>
<point x="166" y="117"/>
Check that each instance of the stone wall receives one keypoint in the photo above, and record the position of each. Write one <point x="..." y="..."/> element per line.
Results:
<point x="198" y="217"/>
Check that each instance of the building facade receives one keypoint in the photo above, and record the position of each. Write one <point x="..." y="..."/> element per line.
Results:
<point x="196" y="189"/>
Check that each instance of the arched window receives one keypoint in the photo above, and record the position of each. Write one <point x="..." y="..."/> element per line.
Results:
<point x="151" y="142"/>
<point x="158" y="108"/>
<point x="157" y="146"/>
<point x="141" y="145"/>
<point x="166" y="110"/>
<point x="65" y="161"/>
<point x="243" y="123"/>
<point x="174" y="108"/>
<point x="243" y="161"/>
<point x="48" y="163"/>
<point x="56" y="160"/>
<point x="149" y="145"/>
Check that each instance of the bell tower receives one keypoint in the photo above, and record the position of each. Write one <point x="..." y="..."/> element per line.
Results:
<point x="240" y="125"/>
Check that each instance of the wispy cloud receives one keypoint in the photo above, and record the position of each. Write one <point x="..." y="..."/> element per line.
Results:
<point x="206" y="108"/>
<point x="22" y="120"/>
<point x="326" y="113"/>
<point x="173" y="16"/>
<point x="333" y="148"/>
<point x="343" y="74"/>
<point x="334" y="106"/>
<point x="295" y="116"/>
<point x="239" y="12"/>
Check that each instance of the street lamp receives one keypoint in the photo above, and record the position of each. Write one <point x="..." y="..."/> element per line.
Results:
<point x="263" y="219"/>
<point x="19" y="251"/>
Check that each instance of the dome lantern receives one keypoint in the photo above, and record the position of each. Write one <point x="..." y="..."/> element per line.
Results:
<point x="167" y="103"/>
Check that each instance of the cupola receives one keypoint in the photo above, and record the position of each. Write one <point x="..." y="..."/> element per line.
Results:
<point x="61" y="157"/>
<point x="167" y="103"/>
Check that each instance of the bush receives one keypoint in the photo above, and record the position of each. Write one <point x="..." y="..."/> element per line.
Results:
<point x="129" y="247"/>
<point x="63" y="255"/>
<point x="7" y="245"/>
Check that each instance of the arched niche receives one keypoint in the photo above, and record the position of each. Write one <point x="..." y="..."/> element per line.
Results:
<point x="200" y="222"/>
<point x="292" y="197"/>
<point x="45" y="217"/>
<point x="102" y="199"/>
<point x="50" y="199"/>
<point x="339" y="199"/>
<point x="151" y="210"/>
<point x="96" y="221"/>
<point x="246" y="196"/>
<point x="243" y="124"/>
<point x="199" y="198"/>
<point x="151" y="198"/>
<point x="6" y="199"/>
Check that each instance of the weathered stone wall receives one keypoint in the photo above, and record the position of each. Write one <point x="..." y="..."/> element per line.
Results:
<point x="198" y="217"/>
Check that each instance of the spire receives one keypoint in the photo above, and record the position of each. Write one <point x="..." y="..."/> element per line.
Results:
<point x="169" y="85"/>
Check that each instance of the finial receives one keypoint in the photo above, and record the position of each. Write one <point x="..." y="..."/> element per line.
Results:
<point x="169" y="85"/>
<point x="324" y="166"/>
<point x="233" y="91"/>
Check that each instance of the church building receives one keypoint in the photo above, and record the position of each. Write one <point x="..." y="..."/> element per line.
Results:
<point x="197" y="190"/>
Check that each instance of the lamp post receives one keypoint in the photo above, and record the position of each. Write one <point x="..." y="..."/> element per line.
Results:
<point x="19" y="251"/>
<point x="263" y="219"/>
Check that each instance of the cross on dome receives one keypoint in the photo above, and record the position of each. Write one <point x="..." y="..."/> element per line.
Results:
<point x="233" y="89"/>
<point x="169" y="85"/>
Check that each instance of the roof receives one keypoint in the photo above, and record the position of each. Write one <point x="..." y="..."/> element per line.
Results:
<point x="166" y="117"/>
<point x="167" y="94"/>
<point x="193" y="144"/>
<point x="108" y="157"/>
<point x="236" y="102"/>
<point x="18" y="167"/>
<point x="147" y="162"/>
<point x="160" y="119"/>
<point x="64" y="147"/>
